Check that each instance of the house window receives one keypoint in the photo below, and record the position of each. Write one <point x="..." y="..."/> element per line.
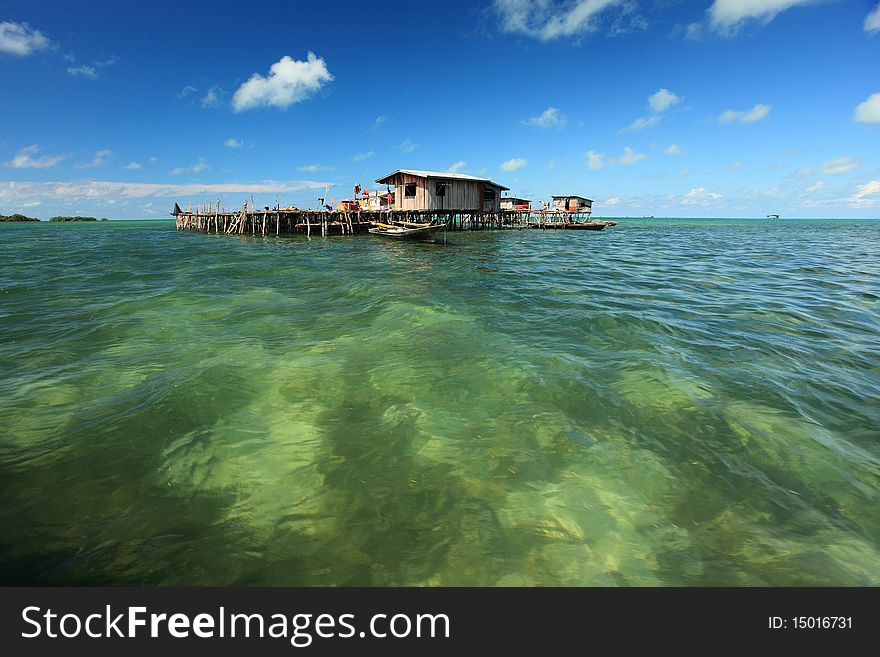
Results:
<point x="409" y="190"/>
<point x="441" y="189"/>
<point x="488" y="194"/>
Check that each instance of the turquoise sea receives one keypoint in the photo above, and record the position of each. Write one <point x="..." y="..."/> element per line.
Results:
<point x="667" y="402"/>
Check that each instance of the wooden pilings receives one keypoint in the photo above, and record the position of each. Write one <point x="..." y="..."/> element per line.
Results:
<point x="293" y="221"/>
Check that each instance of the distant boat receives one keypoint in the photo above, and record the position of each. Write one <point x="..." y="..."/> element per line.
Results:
<point x="773" y="216"/>
<point x="413" y="231"/>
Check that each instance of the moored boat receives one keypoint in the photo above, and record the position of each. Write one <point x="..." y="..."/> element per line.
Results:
<point x="412" y="231"/>
<point x="567" y="225"/>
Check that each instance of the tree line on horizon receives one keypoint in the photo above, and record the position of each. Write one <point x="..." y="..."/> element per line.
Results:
<point x="21" y="217"/>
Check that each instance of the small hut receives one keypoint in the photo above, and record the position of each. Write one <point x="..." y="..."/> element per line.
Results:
<point x="514" y="203"/>
<point x="571" y="203"/>
<point x="436" y="190"/>
<point x="375" y="200"/>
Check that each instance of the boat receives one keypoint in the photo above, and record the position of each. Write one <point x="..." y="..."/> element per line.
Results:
<point x="409" y="231"/>
<point x="589" y="225"/>
<point x="773" y="216"/>
<point x="570" y="225"/>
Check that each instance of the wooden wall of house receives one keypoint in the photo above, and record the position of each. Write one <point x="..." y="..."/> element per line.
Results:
<point x="460" y="195"/>
<point x="495" y="205"/>
<point x="418" y="202"/>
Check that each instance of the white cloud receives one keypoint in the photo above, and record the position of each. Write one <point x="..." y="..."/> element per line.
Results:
<point x="360" y="157"/>
<point x="312" y="168"/>
<point x="24" y="160"/>
<point x="611" y="202"/>
<point x="289" y="81"/>
<point x="88" y="72"/>
<point x="100" y="159"/>
<point x="153" y="159"/>
<point x="186" y="91"/>
<point x="673" y="149"/>
<point x="201" y="165"/>
<point x="550" y="19"/>
<point x="757" y="113"/>
<point x="595" y="160"/>
<point x="868" y="111"/>
<point x="840" y="165"/>
<point x="212" y="98"/>
<point x="644" y="122"/>
<point x="598" y="161"/>
<point x="232" y="142"/>
<point x="549" y="118"/>
<point x="407" y="146"/>
<point x="132" y="166"/>
<point x="629" y="157"/>
<point x="734" y="166"/>
<point x="380" y="120"/>
<point x="458" y="166"/>
<point x="727" y="16"/>
<point x="513" y="164"/>
<point x="867" y="195"/>
<point x="815" y="187"/>
<point x="700" y="196"/>
<point x="694" y="31"/>
<point x="663" y="99"/>
<point x="110" y="61"/>
<point x="684" y="172"/>
<point x="872" y="20"/>
<point x="18" y="191"/>
<point x="19" y="39"/>
<point x="659" y="101"/>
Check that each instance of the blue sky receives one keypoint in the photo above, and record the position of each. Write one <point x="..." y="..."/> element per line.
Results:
<point x="667" y="108"/>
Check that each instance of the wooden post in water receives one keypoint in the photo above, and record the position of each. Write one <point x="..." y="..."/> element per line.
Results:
<point x="242" y="218"/>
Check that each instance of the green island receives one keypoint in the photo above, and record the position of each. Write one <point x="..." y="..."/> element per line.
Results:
<point x="78" y="219"/>
<point x="16" y="217"/>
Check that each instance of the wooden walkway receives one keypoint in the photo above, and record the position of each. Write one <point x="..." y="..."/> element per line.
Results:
<point x="337" y="222"/>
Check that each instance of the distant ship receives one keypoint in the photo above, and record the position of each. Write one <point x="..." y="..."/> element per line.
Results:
<point x="773" y="216"/>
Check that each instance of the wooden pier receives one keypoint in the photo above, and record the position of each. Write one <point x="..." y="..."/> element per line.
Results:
<point x="287" y="221"/>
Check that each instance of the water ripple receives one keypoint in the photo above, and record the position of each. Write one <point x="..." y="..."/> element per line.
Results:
<point x="669" y="402"/>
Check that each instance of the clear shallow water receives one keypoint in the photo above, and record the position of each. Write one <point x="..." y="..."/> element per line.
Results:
<point x="662" y="403"/>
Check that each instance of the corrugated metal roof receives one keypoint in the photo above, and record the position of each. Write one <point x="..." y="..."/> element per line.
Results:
<point x="572" y="196"/>
<point x="438" y="174"/>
